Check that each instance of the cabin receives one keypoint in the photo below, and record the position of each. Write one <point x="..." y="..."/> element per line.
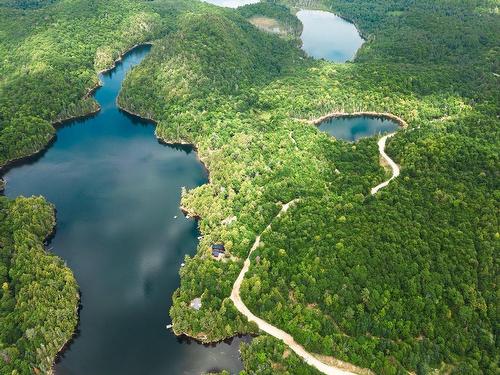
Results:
<point x="218" y="249"/>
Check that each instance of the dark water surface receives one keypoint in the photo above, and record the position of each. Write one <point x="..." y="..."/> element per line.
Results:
<point x="328" y="36"/>
<point x="117" y="190"/>
<point x="353" y="128"/>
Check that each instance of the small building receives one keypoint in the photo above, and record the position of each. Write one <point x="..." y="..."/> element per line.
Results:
<point x="218" y="249"/>
<point x="195" y="303"/>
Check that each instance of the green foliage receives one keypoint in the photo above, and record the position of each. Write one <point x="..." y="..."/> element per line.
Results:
<point x="276" y="11"/>
<point x="193" y="56"/>
<point x="23" y="136"/>
<point x="267" y="356"/>
<point x="403" y="281"/>
<point x="50" y="57"/>
<point x="39" y="295"/>
<point x="218" y="318"/>
<point x="26" y="4"/>
<point x="223" y="372"/>
<point x="398" y="282"/>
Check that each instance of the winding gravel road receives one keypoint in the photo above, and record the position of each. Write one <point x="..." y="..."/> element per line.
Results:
<point x="270" y="329"/>
<point x="392" y="164"/>
<point x="309" y="358"/>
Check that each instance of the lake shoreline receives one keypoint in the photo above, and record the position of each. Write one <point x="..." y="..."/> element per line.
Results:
<point x="186" y="336"/>
<point x="78" y="307"/>
<point x="167" y="142"/>
<point x="363" y="35"/>
<point x="187" y="213"/>
<point x="379" y="115"/>
<point x="57" y="124"/>
<point x="16" y="162"/>
<point x="120" y="57"/>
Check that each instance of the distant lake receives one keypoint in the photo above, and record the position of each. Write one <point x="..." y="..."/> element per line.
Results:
<point x="352" y="128"/>
<point x="119" y="228"/>
<point x="231" y="3"/>
<point x="328" y="36"/>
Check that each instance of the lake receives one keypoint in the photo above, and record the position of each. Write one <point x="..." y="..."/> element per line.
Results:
<point x="119" y="227"/>
<point x="352" y="128"/>
<point x="328" y="36"/>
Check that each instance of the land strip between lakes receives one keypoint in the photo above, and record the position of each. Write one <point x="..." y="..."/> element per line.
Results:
<point x="341" y="369"/>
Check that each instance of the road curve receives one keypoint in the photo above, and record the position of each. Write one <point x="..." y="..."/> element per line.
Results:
<point x="270" y="329"/>
<point x="276" y="332"/>
<point x="392" y="164"/>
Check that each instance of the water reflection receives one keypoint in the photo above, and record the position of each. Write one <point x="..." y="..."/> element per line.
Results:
<point x="328" y="36"/>
<point x="353" y="128"/>
<point x="119" y="228"/>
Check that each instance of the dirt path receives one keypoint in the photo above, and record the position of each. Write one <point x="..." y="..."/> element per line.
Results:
<point x="381" y="143"/>
<point x="309" y="358"/>
<point x="270" y="329"/>
<point x="390" y="162"/>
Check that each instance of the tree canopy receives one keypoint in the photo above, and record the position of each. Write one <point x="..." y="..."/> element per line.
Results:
<point x="397" y="282"/>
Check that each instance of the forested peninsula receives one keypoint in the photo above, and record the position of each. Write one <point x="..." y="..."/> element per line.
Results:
<point x="397" y="282"/>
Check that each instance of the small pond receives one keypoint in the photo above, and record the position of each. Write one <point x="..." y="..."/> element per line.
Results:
<point x="328" y="36"/>
<point x="352" y="128"/>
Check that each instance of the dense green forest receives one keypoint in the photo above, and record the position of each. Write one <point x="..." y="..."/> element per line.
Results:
<point x="51" y="52"/>
<point x="38" y="299"/>
<point x="267" y="356"/>
<point x="402" y="281"/>
<point x="274" y="11"/>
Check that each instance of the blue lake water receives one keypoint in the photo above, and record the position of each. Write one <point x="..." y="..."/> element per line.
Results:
<point x="328" y="36"/>
<point x="353" y="128"/>
<point x="117" y="191"/>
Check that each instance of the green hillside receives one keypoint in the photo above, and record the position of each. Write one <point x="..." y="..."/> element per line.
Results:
<point x="404" y="281"/>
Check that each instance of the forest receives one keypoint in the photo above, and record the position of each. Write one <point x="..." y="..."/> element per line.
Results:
<point x="39" y="296"/>
<point x="275" y="11"/>
<point x="402" y="281"/>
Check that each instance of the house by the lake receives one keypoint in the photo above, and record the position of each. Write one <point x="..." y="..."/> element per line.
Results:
<point x="218" y="249"/>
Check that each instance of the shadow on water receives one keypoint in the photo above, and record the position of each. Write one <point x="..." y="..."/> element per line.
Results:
<point x="33" y="158"/>
<point x="120" y="230"/>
